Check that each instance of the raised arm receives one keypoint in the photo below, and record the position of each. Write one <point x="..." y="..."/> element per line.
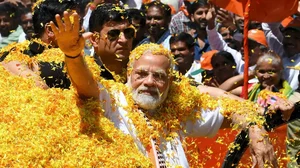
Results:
<point x="71" y="42"/>
<point x="274" y="37"/>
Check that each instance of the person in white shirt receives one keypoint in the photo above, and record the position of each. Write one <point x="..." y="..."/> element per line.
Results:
<point x="149" y="80"/>
<point x="182" y="47"/>
<point x="257" y="43"/>
<point x="287" y="45"/>
<point x="27" y="25"/>
<point x="158" y="17"/>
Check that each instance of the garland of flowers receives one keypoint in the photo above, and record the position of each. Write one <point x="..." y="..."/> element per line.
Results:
<point x="45" y="128"/>
<point x="182" y="104"/>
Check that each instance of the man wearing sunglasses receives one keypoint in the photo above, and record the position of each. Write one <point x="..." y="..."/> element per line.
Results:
<point x="112" y="38"/>
<point x="158" y="18"/>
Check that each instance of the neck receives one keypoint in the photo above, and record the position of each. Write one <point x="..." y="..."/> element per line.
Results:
<point x="184" y="69"/>
<point x="201" y="34"/>
<point x="155" y="38"/>
<point x="116" y="67"/>
<point x="113" y="65"/>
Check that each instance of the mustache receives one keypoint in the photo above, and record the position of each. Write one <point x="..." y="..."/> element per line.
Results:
<point x="229" y="40"/>
<point x="149" y="89"/>
<point x="177" y="56"/>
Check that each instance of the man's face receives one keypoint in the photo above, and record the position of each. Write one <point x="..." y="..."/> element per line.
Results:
<point x="226" y="34"/>
<point x="27" y="25"/>
<point x="291" y="42"/>
<point x="199" y="17"/>
<point x="156" y="22"/>
<point x="239" y="22"/>
<point x="254" y="50"/>
<point x="115" y="39"/>
<point x="7" y="24"/>
<point x="150" y="80"/>
<point x="268" y="74"/>
<point x="223" y="69"/>
<point x="183" y="55"/>
<point x="140" y="31"/>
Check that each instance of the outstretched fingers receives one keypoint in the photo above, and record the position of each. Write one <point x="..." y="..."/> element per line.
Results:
<point x="67" y="21"/>
<point x="60" y="24"/>
<point x="76" y="24"/>
<point x="54" y="28"/>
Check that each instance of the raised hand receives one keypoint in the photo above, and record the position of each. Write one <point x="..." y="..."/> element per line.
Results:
<point x="211" y="14"/>
<point x="210" y="17"/>
<point x="68" y="36"/>
<point x="225" y="19"/>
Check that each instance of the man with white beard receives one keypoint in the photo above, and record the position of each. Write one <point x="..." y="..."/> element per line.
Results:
<point x="151" y="82"/>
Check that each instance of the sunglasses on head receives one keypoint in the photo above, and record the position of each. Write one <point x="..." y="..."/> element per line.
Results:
<point x="115" y="33"/>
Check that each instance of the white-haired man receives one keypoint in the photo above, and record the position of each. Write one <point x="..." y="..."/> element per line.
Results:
<point x="150" y="82"/>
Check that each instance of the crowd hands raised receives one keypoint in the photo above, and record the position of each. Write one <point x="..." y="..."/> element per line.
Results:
<point x="140" y="46"/>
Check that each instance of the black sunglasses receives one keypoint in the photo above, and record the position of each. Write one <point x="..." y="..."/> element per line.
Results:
<point x="114" y="34"/>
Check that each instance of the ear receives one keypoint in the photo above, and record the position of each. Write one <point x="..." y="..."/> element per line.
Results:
<point x="192" y="51"/>
<point x="192" y="18"/>
<point x="171" y="79"/>
<point x="94" y="39"/>
<point x="49" y="32"/>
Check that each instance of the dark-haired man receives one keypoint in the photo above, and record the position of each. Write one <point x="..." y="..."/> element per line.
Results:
<point x="27" y="25"/>
<point x="158" y="17"/>
<point x="182" y="47"/>
<point x="138" y="20"/>
<point x="198" y="13"/>
<point x="112" y="39"/>
<point x="9" y="23"/>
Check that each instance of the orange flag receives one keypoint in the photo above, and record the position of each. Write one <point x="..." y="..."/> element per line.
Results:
<point x="261" y="10"/>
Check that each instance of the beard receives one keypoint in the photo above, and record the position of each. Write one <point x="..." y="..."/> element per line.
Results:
<point x="148" y="101"/>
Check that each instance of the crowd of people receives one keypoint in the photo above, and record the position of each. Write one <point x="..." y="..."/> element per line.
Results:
<point x="161" y="71"/>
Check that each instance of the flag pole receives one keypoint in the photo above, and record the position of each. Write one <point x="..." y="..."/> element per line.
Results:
<point x="246" y="50"/>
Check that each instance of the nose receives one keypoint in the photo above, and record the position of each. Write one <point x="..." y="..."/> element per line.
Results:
<point x="228" y="36"/>
<point x="1" y="22"/>
<point x="266" y="75"/>
<point x="152" y="21"/>
<point x="122" y="37"/>
<point x="29" y="24"/>
<point x="176" y="52"/>
<point x="149" y="81"/>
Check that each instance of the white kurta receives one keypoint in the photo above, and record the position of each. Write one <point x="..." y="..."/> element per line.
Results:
<point x="172" y="151"/>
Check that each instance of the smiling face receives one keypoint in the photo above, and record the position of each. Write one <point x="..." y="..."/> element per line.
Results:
<point x="239" y="21"/>
<point x="149" y="80"/>
<point x="291" y="42"/>
<point x="27" y="25"/>
<point x="223" y="68"/>
<point x="7" y="23"/>
<point x="199" y="17"/>
<point x="184" y="56"/>
<point x="156" y="22"/>
<point x="268" y="73"/>
<point x="255" y="50"/>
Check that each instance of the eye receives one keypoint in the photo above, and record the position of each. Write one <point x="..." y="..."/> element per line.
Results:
<point x="141" y="74"/>
<point x="159" y="77"/>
